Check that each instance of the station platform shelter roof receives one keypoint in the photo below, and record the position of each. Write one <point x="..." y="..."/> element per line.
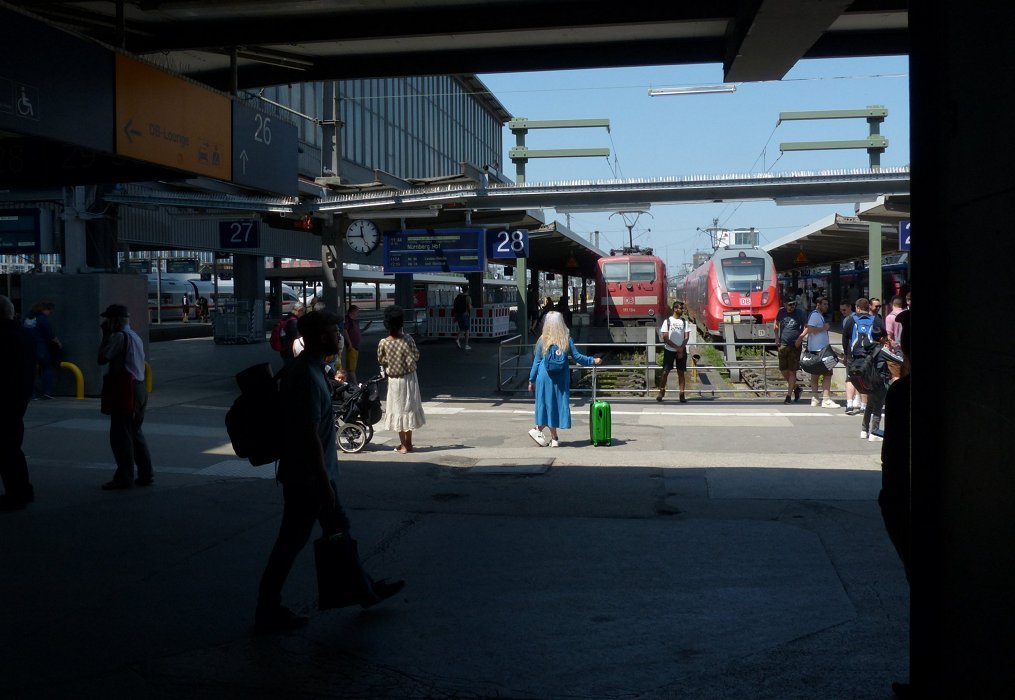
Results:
<point x="837" y="238"/>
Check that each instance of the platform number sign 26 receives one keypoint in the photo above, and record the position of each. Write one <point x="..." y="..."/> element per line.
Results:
<point x="242" y="233"/>
<point x="904" y="235"/>
<point x="507" y="244"/>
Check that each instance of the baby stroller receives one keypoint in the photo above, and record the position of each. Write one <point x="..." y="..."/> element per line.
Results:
<point x="357" y="409"/>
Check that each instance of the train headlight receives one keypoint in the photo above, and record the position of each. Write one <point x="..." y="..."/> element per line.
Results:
<point x="651" y="312"/>
<point x="764" y="298"/>
<point x="726" y="298"/>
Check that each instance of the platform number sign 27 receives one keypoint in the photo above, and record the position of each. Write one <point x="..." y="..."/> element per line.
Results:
<point x="507" y="244"/>
<point x="904" y="234"/>
<point x="242" y="233"/>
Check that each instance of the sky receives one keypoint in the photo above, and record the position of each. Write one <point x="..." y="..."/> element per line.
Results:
<point x="705" y="134"/>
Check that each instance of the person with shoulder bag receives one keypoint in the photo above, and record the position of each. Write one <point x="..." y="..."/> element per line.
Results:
<point x="818" y="347"/>
<point x="124" y="398"/>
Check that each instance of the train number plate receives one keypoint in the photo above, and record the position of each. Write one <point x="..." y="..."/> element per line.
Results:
<point x="745" y="301"/>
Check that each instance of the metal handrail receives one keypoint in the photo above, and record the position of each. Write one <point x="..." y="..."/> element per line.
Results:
<point x="650" y="365"/>
<point x="501" y="363"/>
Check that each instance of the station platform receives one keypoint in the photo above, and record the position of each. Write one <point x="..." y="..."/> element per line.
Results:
<point x="718" y="549"/>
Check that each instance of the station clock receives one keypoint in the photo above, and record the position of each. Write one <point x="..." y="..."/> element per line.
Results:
<point x="362" y="236"/>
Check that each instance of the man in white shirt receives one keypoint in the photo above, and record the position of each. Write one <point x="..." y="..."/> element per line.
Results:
<point x="123" y="350"/>
<point x="674" y="333"/>
<point x="815" y="339"/>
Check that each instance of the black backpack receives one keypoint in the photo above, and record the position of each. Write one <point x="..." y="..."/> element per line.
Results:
<point x="865" y="372"/>
<point x="255" y="417"/>
<point x="461" y="305"/>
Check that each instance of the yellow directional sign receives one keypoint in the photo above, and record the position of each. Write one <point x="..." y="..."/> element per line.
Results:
<point x="163" y="119"/>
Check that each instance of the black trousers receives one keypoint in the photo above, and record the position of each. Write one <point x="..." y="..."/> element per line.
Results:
<point x="128" y="441"/>
<point x="13" y="465"/>
<point x="302" y="508"/>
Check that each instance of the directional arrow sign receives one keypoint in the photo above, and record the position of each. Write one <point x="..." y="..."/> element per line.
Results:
<point x="130" y="131"/>
<point x="264" y="151"/>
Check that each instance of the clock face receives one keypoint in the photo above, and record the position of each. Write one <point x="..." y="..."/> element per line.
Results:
<point x="362" y="236"/>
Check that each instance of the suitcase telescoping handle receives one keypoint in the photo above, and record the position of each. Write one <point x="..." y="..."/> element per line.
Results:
<point x="593" y="382"/>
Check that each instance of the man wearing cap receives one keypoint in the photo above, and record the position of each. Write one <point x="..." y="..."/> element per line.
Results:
<point x="789" y="325"/>
<point x="123" y="350"/>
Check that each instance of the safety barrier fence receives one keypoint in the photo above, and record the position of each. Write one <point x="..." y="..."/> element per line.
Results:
<point x="703" y="378"/>
<point x="489" y="321"/>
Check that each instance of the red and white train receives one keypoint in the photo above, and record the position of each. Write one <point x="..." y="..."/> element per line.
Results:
<point x="630" y="289"/>
<point x="736" y="285"/>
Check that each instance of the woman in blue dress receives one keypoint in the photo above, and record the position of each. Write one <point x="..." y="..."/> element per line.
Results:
<point x="550" y="378"/>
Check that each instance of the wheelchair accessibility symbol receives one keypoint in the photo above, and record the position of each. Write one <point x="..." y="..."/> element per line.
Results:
<point x="27" y="103"/>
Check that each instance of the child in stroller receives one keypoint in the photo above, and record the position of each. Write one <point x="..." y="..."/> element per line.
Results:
<point x="357" y="408"/>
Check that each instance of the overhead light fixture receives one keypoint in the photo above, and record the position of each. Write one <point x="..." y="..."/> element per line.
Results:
<point x="614" y="207"/>
<point x="692" y="90"/>
<point x="396" y="214"/>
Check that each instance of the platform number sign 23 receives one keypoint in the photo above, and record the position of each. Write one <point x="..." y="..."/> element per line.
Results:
<point x="507" y="244"/>
<point x="242" y="233"/>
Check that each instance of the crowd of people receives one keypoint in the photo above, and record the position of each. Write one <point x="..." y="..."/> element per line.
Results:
<point x="868" y="330"/>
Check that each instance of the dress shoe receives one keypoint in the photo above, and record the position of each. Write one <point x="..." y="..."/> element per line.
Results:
<point x="382" y="590"/>
<point x="116" y="485"/>
<point x="280" y="619"/>
<point x="144" y="482"/>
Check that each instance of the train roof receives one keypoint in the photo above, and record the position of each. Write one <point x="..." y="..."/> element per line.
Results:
<point x="736" y="251"/>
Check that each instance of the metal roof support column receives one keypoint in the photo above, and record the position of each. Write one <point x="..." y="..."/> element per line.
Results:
<point x="835" y="293"/>
<point x="874" y="268"/>
<point x="875" y="144"/>
<point x="522" y="315"/>
<point x="520" y="157"/>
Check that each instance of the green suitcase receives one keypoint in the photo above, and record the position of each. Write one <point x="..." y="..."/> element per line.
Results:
<point x="600" y="428"/>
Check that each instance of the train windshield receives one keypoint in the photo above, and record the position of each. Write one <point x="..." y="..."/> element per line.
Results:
<point x="628" y="271"/>
<point x="643" y="272"/>
<point x="744" y="274"/>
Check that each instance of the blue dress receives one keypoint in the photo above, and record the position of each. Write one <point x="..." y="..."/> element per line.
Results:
<point x="553" y="393"/>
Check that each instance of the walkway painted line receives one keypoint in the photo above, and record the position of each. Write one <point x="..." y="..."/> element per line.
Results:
<point x="102" y="425"/>
<point x="451" y="410"/>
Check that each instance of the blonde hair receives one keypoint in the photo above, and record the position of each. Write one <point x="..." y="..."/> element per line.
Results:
<point x="555" y="332"/>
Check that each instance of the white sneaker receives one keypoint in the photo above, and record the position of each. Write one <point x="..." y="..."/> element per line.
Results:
<point x="538" y="437"/>
<point x="828" y="403"/>
<point x="556" y="443"/>
<point x="863" y="434"/>
<point x="468" y="347"/>
<point x="875" y="438"/>
<point x="458" y="342"/>
<point x="815" y="403"/>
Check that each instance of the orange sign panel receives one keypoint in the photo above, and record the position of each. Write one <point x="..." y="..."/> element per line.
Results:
<point x="163" y="119"/>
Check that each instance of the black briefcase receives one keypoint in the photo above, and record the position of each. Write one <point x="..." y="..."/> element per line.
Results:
<point x="341" y="580"/>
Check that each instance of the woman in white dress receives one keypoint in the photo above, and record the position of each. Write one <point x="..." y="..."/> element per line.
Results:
<point x="398" y="355"/>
